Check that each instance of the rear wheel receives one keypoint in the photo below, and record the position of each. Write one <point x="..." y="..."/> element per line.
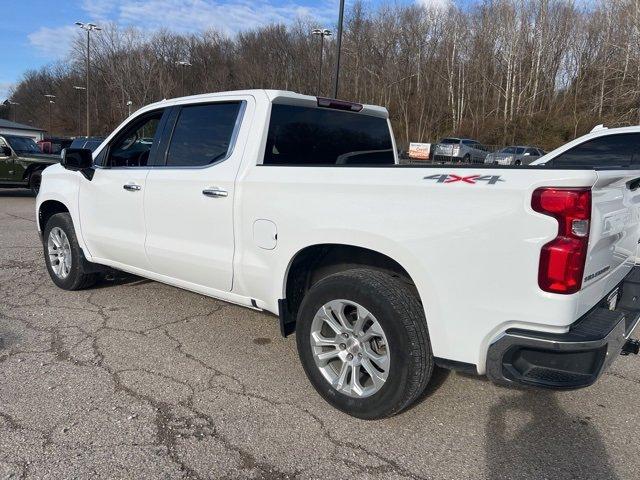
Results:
<point x="466" y="158"/>
<point x="363" y="342"/>
<point x="34" y="181"/>
<point x="66" y="264"/>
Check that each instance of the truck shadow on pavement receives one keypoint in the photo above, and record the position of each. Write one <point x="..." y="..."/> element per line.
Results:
<point x="552" y="444"/>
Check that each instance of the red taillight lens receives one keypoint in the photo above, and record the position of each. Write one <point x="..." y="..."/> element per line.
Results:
<point x="562" y="259"/>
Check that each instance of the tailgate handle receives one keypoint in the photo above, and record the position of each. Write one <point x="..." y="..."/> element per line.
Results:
<point x="633" y="184"/>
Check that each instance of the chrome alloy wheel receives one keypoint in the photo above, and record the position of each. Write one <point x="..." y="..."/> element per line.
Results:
<point x="350" y="348"/>
<point x="59" y="251"/>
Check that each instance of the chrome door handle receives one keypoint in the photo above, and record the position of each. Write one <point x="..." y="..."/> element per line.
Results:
<point x="214" y="192"/>
<point x="132" y="187"/>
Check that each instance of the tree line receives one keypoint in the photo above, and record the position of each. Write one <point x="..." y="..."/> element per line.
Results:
<point x="503" y="71"/>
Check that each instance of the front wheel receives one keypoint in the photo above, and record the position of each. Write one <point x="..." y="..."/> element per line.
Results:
<point x="34" y="181"/>
<point x="66" y="264"/>
<point x="363" y="342"/>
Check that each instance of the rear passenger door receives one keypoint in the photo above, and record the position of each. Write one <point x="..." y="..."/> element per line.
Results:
<point x="189" y="197"/>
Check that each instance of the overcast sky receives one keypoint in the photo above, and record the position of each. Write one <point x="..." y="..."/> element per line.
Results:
<point x="37" y="32"/>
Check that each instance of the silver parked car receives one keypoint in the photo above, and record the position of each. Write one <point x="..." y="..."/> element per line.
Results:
<point x="463" y="150"/>
<point x="515" y="155"/>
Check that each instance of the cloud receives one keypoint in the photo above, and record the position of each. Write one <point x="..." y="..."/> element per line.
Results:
<point x="53" y="43"/>
<point x="435" y="4"/>
<point x="98" y="9"/>
<point x="229" y="17"/>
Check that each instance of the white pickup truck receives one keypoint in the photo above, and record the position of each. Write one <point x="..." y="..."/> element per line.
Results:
<point x="296" y="205"/>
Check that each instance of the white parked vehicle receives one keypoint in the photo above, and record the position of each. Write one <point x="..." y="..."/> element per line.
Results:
<point x="296" y="205"/>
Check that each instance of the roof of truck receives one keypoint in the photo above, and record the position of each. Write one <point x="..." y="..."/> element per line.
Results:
<point x="274" y="96"/>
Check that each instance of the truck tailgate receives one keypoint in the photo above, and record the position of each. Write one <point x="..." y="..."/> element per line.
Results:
<point x="614" y="234"/>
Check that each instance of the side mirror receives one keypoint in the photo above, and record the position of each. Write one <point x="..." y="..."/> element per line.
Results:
<point x="78" y="160"/>
<point x="527" y="154"/>
<point x="6" y="151"/>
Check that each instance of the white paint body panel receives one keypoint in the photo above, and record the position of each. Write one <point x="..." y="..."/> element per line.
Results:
<point x="472" y="250"/>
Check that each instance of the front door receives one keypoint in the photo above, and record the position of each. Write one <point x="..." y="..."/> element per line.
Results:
<point x="6" y="162"/>
<point x="111" y="204"/>
<point x="189" y="200"/>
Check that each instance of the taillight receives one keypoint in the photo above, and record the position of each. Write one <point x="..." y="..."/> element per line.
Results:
<point x="562" y="259"/>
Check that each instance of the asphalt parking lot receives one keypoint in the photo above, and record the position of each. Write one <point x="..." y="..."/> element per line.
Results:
<point x="135" y="379"/>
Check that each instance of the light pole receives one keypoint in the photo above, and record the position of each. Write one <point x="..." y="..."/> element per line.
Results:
<point x="79" y="89"/>
<point x="13" y="106"/>
<point x="183" y="64"/>
<point x="129" y="103"/>
<point x="51" y="102"/>
<point x="88" y="27"/>
<point x="321" y="32"/>
<point x="338" y="45"/>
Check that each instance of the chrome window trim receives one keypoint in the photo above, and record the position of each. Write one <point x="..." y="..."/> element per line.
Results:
<point x="230" y="149"/>
<point x="232" y="141"/>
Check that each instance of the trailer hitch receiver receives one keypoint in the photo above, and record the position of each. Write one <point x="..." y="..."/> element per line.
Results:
<point x="631" y="346"/>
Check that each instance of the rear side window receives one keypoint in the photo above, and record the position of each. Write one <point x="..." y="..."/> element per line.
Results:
<point x="317" y="136"/>
<point x="202" y="134"/>
<point x="621" y="150"/>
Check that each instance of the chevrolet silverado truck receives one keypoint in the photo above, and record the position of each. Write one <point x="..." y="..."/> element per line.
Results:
<point x="22" y="162"/>
<point x="296" y="205"/>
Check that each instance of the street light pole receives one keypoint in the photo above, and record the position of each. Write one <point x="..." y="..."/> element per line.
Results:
<point x="88" y="27"/>
<point x="51" y="102"/>
<point x="321" y="33"/>
<point x="338" y="45"/>
<point x="14" y="108"/>
<point x="129" y="103"/>
<point x="79" y="89"/>
<point x="182" y="64"/>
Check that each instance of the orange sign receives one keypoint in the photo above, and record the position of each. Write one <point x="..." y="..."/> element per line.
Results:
<point x="419" y="150"/>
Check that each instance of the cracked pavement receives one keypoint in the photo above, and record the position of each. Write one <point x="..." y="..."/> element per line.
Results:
<point x="136" y="379"/>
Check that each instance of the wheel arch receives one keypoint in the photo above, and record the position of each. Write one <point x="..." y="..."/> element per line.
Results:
<point x="47" y="209"/>
<point x="314" y="262"/>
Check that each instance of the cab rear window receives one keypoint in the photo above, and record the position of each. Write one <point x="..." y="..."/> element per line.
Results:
<point x="318" y="136"/>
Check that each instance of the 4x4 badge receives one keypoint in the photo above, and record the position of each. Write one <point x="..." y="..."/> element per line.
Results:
<point x="472" y="179"/>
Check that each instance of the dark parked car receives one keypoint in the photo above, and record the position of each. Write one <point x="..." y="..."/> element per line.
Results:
<point x="54" y="145"/>
<point x="22" y="162"/>
<point x="90" y="143"/>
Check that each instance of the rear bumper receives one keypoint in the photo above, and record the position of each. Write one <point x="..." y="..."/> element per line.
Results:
<point x="574" y="359"/>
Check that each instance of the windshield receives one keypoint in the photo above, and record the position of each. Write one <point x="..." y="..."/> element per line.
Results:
<point x="23" y="144"/>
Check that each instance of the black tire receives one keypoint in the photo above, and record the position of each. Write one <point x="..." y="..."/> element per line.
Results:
<point x="34" y="181"/>
<point x="80" y="275"/>
<point x="400" y="314"/>
<point x="466" y="158"/>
